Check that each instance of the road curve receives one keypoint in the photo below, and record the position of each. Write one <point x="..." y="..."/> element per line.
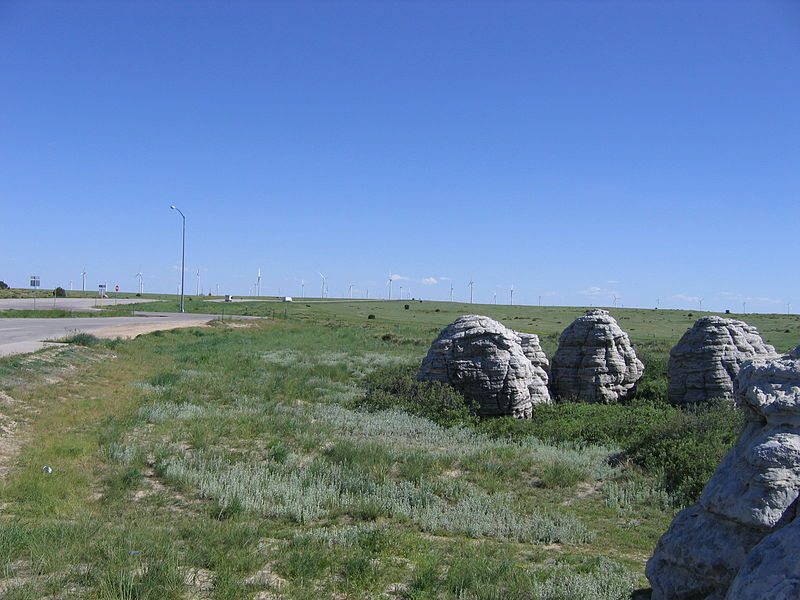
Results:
<point x="27" y="335"/>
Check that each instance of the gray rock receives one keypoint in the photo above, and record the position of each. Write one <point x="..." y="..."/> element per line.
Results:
<point x="704" y="363"/>
<point x="540" y="393"/>
<point x="595" y="361"/>
<point x="486" y="362"/>
<point x="751" y="496"/>
<point x="771" y="570"/>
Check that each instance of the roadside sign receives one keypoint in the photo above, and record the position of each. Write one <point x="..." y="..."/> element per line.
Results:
<point x="35" y="281"/>
<point x="116" y="288"/>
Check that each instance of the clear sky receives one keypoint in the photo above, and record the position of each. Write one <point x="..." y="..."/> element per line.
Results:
<point x="577" y="150"/>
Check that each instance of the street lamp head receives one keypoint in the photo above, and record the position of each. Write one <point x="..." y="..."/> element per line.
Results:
<point x="172" y="207"/>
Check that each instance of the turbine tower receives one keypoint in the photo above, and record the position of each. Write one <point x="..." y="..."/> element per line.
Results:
<point x="350" y="291"/>
<point x="302" y="288"/>
<point x="198" y="282"/>
<point x="471" y="283"/>
<point x="512" y="294"/>
<point x="323" y="283"/>
<point x="389" y="284"/>
<point x="83" y="274"/>
<point x="258" y="282"/>
<point x="141" y="282"/>
<point x="451" y="292"/>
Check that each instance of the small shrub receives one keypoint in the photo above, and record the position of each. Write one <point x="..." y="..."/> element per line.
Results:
<point x="397" y="387"/>
<point x="3" y="285"/>
<point x="83" y="339"/>
<point x="60" y="292"/>
<point x="406" y="307"/>
<point x="370" y="316"/>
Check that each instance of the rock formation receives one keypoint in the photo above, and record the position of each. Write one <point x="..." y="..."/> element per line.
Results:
<point x="741" y="534"/>
<point x="704" y="363"/>
<point x="486" y="362"/>
<point x="595" y="361"/>
<point x="540" y="394"/>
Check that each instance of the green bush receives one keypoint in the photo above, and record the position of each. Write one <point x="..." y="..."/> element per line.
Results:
<point x="3" y="285"/>
<point x="687" y="447"/>
<point x="682" y="447"/>
<point x="60" y="292"/>
<point x="397" y="387"/>
<point x="83" y="339"/>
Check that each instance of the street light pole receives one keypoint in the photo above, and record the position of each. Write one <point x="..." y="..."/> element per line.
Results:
<point x="183" y="250"/>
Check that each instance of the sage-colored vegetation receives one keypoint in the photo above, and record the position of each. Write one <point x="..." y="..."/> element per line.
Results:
<point x="296" y="457"/>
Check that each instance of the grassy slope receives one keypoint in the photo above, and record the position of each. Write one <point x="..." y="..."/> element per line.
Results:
<point x="224" y="463"/>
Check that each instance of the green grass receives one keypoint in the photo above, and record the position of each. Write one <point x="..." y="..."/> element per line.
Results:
<point x="294" y="456"/>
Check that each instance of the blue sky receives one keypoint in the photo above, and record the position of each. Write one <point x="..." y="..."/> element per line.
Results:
<point x="576" y="150"/>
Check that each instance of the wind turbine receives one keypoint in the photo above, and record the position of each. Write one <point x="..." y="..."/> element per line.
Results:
<point x="141" y="282"/>
<point x="495" y="298"/>
<point x="389" y="283"/>
<point x="512" y="294"/>
<point x="614" y="296"/>
<point x="350" y="291"/>
<point x="471" y="283"/>
<point x="198" y="282"/>
<point x="701" y="304"/>
<point x="302" y="288"/>
<point x="401" y="292"/>
<point x="258" y="283"/>
<point x="83" y="274"/>
<point x="451" y="292"/>
<point x="323" y="283"/>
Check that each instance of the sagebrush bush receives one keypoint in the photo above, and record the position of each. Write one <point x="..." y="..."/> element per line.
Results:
<point x="396" y="387"/>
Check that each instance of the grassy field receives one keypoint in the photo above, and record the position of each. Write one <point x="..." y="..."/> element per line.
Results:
<point x="285" y="458"/>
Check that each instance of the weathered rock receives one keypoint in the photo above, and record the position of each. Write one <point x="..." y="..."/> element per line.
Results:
<point x="752" y="495"/>
<point x="704" y="363"/>
<point x="540" y="393"/>
<point x="595" y="361"/>
<point x="771" y="570"/>
<point x="486" y="362"/>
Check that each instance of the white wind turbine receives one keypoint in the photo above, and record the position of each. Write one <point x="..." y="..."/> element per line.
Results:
<point x="323" y="283"/>
<point x="512" y="294"/>
<point x="389" y="284"/>
<point x="451" y="292"/>
<point x="198" y="282"/>
<point x="471" y="283"/>
<point x="350" y="291"/>
<point x="83" y="274"/>
<point x="302" y="288"/>
<point x="258" y="282"/>
<point x="141" y="282"/>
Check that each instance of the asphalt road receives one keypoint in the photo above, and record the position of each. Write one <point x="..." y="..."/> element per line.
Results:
<point x="76" y="304"/>
<point x="27" y="335"/>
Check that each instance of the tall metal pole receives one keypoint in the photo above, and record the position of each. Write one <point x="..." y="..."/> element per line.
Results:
<point x="183" y="250"/>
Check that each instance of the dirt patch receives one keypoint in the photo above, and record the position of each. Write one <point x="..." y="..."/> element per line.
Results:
<point x="131" y="331"/>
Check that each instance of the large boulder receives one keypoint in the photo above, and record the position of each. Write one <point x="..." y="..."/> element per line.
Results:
<point x="726" y="536"/>
<point x="486" y="362"/>
<point x="704" y="363"/>
<point x="595" y="361"/>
